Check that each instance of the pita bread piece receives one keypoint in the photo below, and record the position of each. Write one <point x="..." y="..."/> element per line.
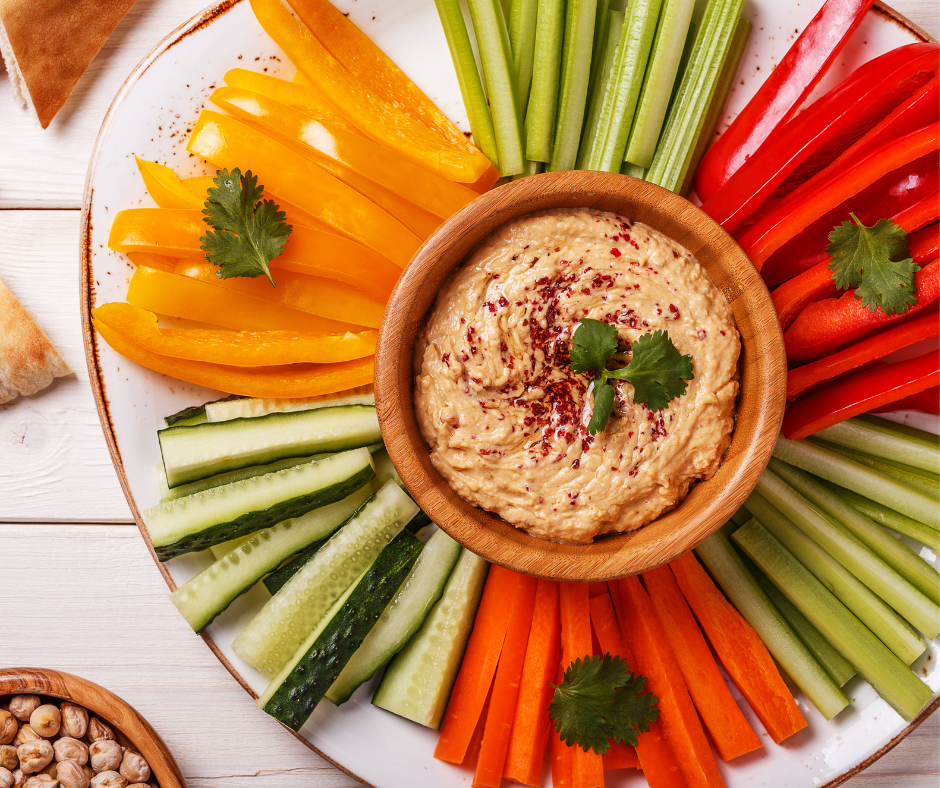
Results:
<point x="28" y="361"/>
<point x="48" y="44"/>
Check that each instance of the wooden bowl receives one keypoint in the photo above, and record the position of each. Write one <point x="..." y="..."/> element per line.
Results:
<point x="760" y="403"/>
<point x="130" y="729"/>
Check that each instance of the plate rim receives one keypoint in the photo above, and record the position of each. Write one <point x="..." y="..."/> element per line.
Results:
<point x="89" y="341"/>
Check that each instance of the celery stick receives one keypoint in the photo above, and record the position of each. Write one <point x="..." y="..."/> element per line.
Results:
<point x="633" y="170"/>
<point x="752" y="603"/>
<point x="522" y="18"/>
<point x="886" y="439"/>
<point x="916" y="477"/>
<point x="740" y="517"/>
<point x="546" y="74"/>
<point x="601" y="28"/>
<point x="623" y="92"/>
<point x="608" y="52"/>
<point x="888" y="584"/>
<point x="471" y="88"/>
<point x="887" y="625"/>
<point x="684" y="122"/>
<point x="865" y="481"/>
<point x="898" y="555"/>
<point x="575" y="74"/>
<point x="493" y="41"/>
<point x="894" y="682"/>
<point x="528" y="168"/>
<point x="660" y="77"/>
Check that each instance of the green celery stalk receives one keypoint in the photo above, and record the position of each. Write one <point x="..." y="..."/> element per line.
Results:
<point x="884" y="581"/>
<point x="740" y="517"/>
<point x="753" y="604"/>
<point x="891" y="679"/>
<point x="865" y="481"/>
<point x="528" y="168"/>
<point x="623" y="91"/>
<point x="575" y="74"/>
<point x="633" y="170"/>
<point x="493" y="42"/>
<point x="596" y="97"/>
<point x="916" y="477"/>
<point x="546" y="74"/>
<point x="884" y="438"/>
<point x="660" y="77"/>
<point x="895" y="553"/>
<point x="468" y="77"/>
<point x="601" y="29"/>
<point x="522" y="19"/>
<point x="685" y="120"/>
<point x="887" y="625"/>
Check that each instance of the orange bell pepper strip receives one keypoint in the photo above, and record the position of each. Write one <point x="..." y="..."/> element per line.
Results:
<point x="227" y="143"/>
<point x="160" y="261"/>
<point x="377" y="118"/>
<point x="180" y="296"/>
<point x="423" y="187"/>
<point x="316" y="295"/>
<point x="165" y="188"/>
<point x="234" y="348"/>
<point x="288" y="381"/>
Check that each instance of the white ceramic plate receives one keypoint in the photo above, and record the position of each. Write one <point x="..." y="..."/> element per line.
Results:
<point x="151" y="117"/>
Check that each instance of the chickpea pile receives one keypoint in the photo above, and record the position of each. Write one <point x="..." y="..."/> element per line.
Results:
<point x="45" y="745"/>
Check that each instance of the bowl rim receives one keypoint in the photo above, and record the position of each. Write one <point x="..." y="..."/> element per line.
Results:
<point x="511" y="547"/>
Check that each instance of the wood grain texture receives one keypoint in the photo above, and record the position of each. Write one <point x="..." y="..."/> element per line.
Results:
<point x="760" y="401"/>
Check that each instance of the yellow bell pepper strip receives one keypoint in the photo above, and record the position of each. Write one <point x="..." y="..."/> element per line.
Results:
<point x="165" y="187"/>
<point x="180" y="296"/>
<point x="289" y="381"/>
<point x="316" y="295"/>
<point x="228" y="144"/>
<point x="234" y="348"/>
<point x="200" y="186"/>
<point x="422" y="187"/>
<point x="161" y="262"/>
<point x="378" y="119"/>
<point x="169" y="232"/>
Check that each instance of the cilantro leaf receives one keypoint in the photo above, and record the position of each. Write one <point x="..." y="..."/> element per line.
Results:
<point x="657" y="371"/>
<point x="247" y="232"/>
<point x="593" y="342"/>
<point x="600" y="699"/>
<point x="875" y="261"/>
<point x="603" y="405"/>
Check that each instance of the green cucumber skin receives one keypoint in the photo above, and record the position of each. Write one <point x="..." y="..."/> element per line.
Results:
<point x="255" y="521"/>
<point x="195" y="414"/>
<point x="294" y="700"/>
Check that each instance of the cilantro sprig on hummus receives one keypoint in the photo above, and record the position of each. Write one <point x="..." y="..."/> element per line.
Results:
<point x="656" y="370"/>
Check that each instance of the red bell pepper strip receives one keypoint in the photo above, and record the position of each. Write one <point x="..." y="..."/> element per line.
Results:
<point x="833" y="186"/>
<point x="927" y="401"/>
<point x="859" y="393"/>
<point x="904" y="334"/>
<point x="834" y="323"/>
<point x="921" y="213"/>
<point x="813" y="139"/>
<point x="925" y="244"/>
<point x="795" y="294"/>
<point x="785" y="90"/>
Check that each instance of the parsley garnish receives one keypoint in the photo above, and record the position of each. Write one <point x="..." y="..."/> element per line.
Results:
<point x="657" y="371"/>
<point x="875" y="261"/>
<point x="247" y="232"/>
<point x="600" y="699"/>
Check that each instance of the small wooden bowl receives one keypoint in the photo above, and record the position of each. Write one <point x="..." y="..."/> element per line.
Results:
<point x="130" y="729"/>
<point x="760" y="403"/>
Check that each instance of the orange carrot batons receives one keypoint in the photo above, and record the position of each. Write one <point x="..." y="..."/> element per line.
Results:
<point x="560" y="754"/>
<point x="620" y="756"/>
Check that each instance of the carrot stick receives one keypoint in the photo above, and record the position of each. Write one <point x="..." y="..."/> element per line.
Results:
<point x="576" y="644"/>
<point x="595" y="589"/>
<point x="740" y="650"/>
<point x="655" y="660"/>
<point x="653" y="752"/>
<point x="620" y="756"/>
<point x="562" y="756"/>
<point x="542" y="657"/>
<point x="489" y="771"/>
<point x="725" y="723"/>
<point x="478" y="667"/>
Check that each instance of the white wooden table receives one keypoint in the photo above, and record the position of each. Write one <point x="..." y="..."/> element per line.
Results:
<point x="78" y="590"/>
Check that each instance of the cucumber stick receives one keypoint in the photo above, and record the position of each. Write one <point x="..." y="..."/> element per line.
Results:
<point x="402" y="618"/>
<point x="251" y="407"/>
<point x="193" y="453"/>
<point x="223" y="513"/>
<point x="276" y="632"/>
<point x="418" y="682"/>
<point x="295" y="692"/>
<point x="207" y="594"/>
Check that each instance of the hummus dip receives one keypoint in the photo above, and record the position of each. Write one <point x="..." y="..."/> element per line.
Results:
<point x="506" y="417"/>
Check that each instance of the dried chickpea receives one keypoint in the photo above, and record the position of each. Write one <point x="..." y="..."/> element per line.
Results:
<point x="42" y="781"/>
<point x="74" y="721"/>
<point x="108" y="780"/>
<point x="140" y="785"/>
<point x="19" y="778"/>
<point x="89" y="772"/>
<point x="69" y="749"/>
<point x="25" y="735"/>
<point x="105" y="756"/>
<point x="6" y="778"/>
<point x="45" y="720"/>
<point x="8" y="727"/>
<point x="134" y="768"/>
<point x="52" y="770"/>
<point x="98" y="731"/>
<point x="34" y="756"/>
<point x="21" y="706"/>
<point x="8" y="757"/>
<point x="71" y="775"/>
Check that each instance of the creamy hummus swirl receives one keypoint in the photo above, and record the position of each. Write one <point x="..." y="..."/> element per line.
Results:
<point x="506" y="418"/>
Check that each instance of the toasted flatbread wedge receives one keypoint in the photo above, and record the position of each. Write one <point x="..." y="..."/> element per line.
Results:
<point x="28" y="361"/>
<point x="48" y="44"/>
